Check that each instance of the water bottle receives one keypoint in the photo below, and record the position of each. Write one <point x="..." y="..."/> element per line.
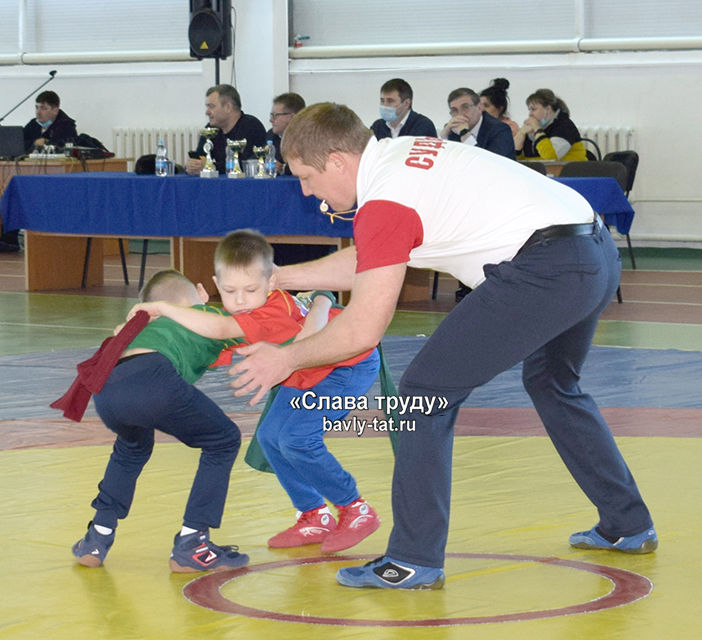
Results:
<point x="270" y="159"/>
<point x="229" y="160"/>
<point x="161" y="160"/>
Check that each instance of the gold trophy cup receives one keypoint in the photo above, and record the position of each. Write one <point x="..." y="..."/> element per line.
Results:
<point x="209" y="170"/>
<point x="260" y="153"/>
<point x="236" y="146"/>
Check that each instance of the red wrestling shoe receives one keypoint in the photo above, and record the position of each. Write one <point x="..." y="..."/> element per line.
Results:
<point x="356" y="522"/>
<point x="311" y="527"/>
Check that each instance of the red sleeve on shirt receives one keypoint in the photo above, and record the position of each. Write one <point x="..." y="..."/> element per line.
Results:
<point x="276" y="321"/>
<point x="384" y="233"/>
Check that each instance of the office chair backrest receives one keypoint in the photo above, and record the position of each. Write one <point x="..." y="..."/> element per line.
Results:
<point x="535" y="165"/>
<point x="630" y="159"/>
<point x="146" y="165"/>
<point x="592" y="149"/>
<point x="596" y="169"/>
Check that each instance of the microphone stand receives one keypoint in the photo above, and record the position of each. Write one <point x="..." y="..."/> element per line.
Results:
<point x="23" y="100"/>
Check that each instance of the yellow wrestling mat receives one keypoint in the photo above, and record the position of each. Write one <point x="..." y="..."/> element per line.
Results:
<point x="510" y="574"/>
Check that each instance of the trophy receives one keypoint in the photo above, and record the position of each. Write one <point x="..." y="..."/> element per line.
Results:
<point x="233" y="166"/>
<point x="260" y="153"/>
<point x="209" y="170"/>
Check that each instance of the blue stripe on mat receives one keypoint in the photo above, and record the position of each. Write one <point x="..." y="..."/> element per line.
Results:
<point x="616" y="377"/>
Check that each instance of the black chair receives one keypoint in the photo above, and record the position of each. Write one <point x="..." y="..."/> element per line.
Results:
<point x="435" y="286"/>
<point x="601" y="169"/>
<point x="125" y="275"/>
<point x="86" y="262"/>
<point x="630" y="160"/>
<point x="596" y="169"/>
<point x="592" y="149"/>
<point x="145" y="165"/>
<point x="537" y="166"/>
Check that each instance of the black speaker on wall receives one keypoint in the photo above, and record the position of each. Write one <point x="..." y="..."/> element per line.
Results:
<point x="210" y="30"/>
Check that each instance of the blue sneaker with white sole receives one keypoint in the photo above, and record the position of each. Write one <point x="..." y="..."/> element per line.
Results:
<point x="196" y="552"/>
<point x="644" y="542"/>
<point x="386" y="573"/>
<point x="92" y="549"/>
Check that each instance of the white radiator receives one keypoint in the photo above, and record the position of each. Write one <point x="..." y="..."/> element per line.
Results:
<point x="610" y="138"/>
<point x="133" y="143"/>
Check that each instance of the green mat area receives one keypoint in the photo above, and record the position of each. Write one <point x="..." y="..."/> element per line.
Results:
<point x="663" y="259"/>
<point x="154" y="246"/>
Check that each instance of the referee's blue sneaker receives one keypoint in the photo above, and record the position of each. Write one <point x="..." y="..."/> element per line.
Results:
<point x="644" y="542"/>
<point x="386" y="573"/>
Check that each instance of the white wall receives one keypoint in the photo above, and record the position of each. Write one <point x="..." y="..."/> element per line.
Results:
<point x="657" y="93"/>
<point x="101" y="97"/>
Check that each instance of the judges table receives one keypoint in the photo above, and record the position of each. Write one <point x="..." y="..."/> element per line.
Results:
<point x="57" y="164"/>
<point x="59" y="212"/>
<point x="606" y="198"/>
<point x="39" y="166"/>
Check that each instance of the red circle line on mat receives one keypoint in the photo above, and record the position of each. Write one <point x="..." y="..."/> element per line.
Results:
<point x="627" y="587"/>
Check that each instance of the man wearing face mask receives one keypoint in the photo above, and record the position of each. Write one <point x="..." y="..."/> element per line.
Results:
<point x="396" y="115"/>
<point x="51" y="124"/>
<point x="549" y="133"/>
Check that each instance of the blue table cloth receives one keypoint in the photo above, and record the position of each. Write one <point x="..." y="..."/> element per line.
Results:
<point x="124" y="204"/>
<point x="606" y="198"/>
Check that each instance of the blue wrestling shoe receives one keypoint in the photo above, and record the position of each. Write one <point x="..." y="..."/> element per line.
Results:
<point x="92" y="549"/>
<point x="386" y="573"/>
<point x="644" y="542"/>
<point x="196" y="552"/>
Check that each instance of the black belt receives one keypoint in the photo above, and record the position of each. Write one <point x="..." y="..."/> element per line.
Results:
<point x="561" y="231"/>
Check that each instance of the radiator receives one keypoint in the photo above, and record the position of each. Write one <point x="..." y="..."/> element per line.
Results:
<point x="133" y="143"/>
<point x="610" y="138"/>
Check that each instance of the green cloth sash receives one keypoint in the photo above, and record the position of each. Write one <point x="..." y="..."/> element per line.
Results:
<point x="254" y="455"/>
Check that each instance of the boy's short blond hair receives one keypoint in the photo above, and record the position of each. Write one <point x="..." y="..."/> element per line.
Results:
<point x="242" y="249"/>
<point x="169" y="285"/>
<point x="321" y="129"/>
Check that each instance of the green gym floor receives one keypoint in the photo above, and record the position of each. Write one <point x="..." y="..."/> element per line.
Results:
<point x="510" y="571"/>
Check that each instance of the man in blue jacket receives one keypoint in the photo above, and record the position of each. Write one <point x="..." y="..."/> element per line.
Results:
<point x="396" y="115"/>
<point x="470" y="125"/>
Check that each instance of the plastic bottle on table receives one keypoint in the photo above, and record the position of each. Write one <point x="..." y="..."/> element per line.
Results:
<point x="229" y="160"/>
<point x="270" y="159"/>
<point x="161" y="160"/>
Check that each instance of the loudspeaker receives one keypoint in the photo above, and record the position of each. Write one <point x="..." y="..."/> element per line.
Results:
<point x="210" y="30"/>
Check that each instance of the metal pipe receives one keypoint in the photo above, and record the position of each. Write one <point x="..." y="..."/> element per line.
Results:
<point x="434" y="49"/>
<point x="639" y="44"/>
<point x="517" y="46"/>
<point x="87" y="57"/>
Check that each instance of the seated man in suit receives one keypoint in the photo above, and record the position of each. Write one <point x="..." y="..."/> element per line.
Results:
<point x="285" y="106"/>
<point x="396" y="115"/>
<point x="470" y="125"/>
